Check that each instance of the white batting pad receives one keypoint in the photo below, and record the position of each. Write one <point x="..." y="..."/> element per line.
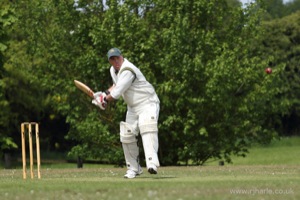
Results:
<point x="127" y="133"/>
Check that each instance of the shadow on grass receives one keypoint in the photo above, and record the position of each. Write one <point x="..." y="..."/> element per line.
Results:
<point x="156" y="177"/>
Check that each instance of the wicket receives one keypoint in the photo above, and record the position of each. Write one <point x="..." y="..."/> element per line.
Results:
<point x="26" y="127"/>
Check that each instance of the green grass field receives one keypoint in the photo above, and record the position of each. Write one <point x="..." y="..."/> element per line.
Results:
<point x="271" y="172"/>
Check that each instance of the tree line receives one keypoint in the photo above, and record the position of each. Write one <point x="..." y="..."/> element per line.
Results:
<point x="206" y="59"/>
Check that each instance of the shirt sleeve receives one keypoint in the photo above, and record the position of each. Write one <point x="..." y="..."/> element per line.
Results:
<point x="124" y="82"/>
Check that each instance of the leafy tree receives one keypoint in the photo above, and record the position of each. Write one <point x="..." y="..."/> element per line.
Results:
<point x="220" y="110"/>
<point x="281" y="40"/>
<point x="291" y="7"/>
<point x="200" y="56"/>
<point x="7" y="17"/>
<point x="27" y="97"/>
<point x="60" y="49"/>
<point x="213" y="90"/>
<point x="274" y="8"/>
<point x="234" y="3"/>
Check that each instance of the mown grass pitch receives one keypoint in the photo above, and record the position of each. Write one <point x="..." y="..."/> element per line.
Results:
<point x="279" y="179"/>
<point x="206" y="182"/>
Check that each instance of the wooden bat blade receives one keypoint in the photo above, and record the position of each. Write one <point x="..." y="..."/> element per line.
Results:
<point x="84" y="88"/>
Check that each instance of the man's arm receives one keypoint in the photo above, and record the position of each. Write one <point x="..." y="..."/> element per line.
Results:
<point x="108" y="96"/>
<point x="125" y="81"/>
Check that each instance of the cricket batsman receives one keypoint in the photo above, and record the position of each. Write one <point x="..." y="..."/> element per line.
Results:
<point x="142" y="112"/>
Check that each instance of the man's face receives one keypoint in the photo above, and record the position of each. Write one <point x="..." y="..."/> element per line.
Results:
<point x="116" y="61"/>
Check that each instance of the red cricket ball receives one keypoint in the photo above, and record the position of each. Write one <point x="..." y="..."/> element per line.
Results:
<point x="268" y="70"/>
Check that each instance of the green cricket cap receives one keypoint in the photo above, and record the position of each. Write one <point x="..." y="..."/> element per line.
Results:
<point x="113" y="52"/>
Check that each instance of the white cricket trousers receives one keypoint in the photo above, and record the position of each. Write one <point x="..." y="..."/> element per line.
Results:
<point x="143" y="120"/>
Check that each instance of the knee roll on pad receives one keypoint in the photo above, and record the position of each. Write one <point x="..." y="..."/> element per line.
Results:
<point x="149" y="127"/>
<point x="127" y="133"/>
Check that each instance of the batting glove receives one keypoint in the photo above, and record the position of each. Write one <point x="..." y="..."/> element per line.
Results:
<point x="99" y="100"/>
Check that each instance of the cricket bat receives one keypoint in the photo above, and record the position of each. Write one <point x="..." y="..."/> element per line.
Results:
<point x="84" y="88"/>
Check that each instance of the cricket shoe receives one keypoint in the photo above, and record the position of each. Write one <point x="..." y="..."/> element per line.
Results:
<point x="152" y="169"/>
<point x="132" y="174"/>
